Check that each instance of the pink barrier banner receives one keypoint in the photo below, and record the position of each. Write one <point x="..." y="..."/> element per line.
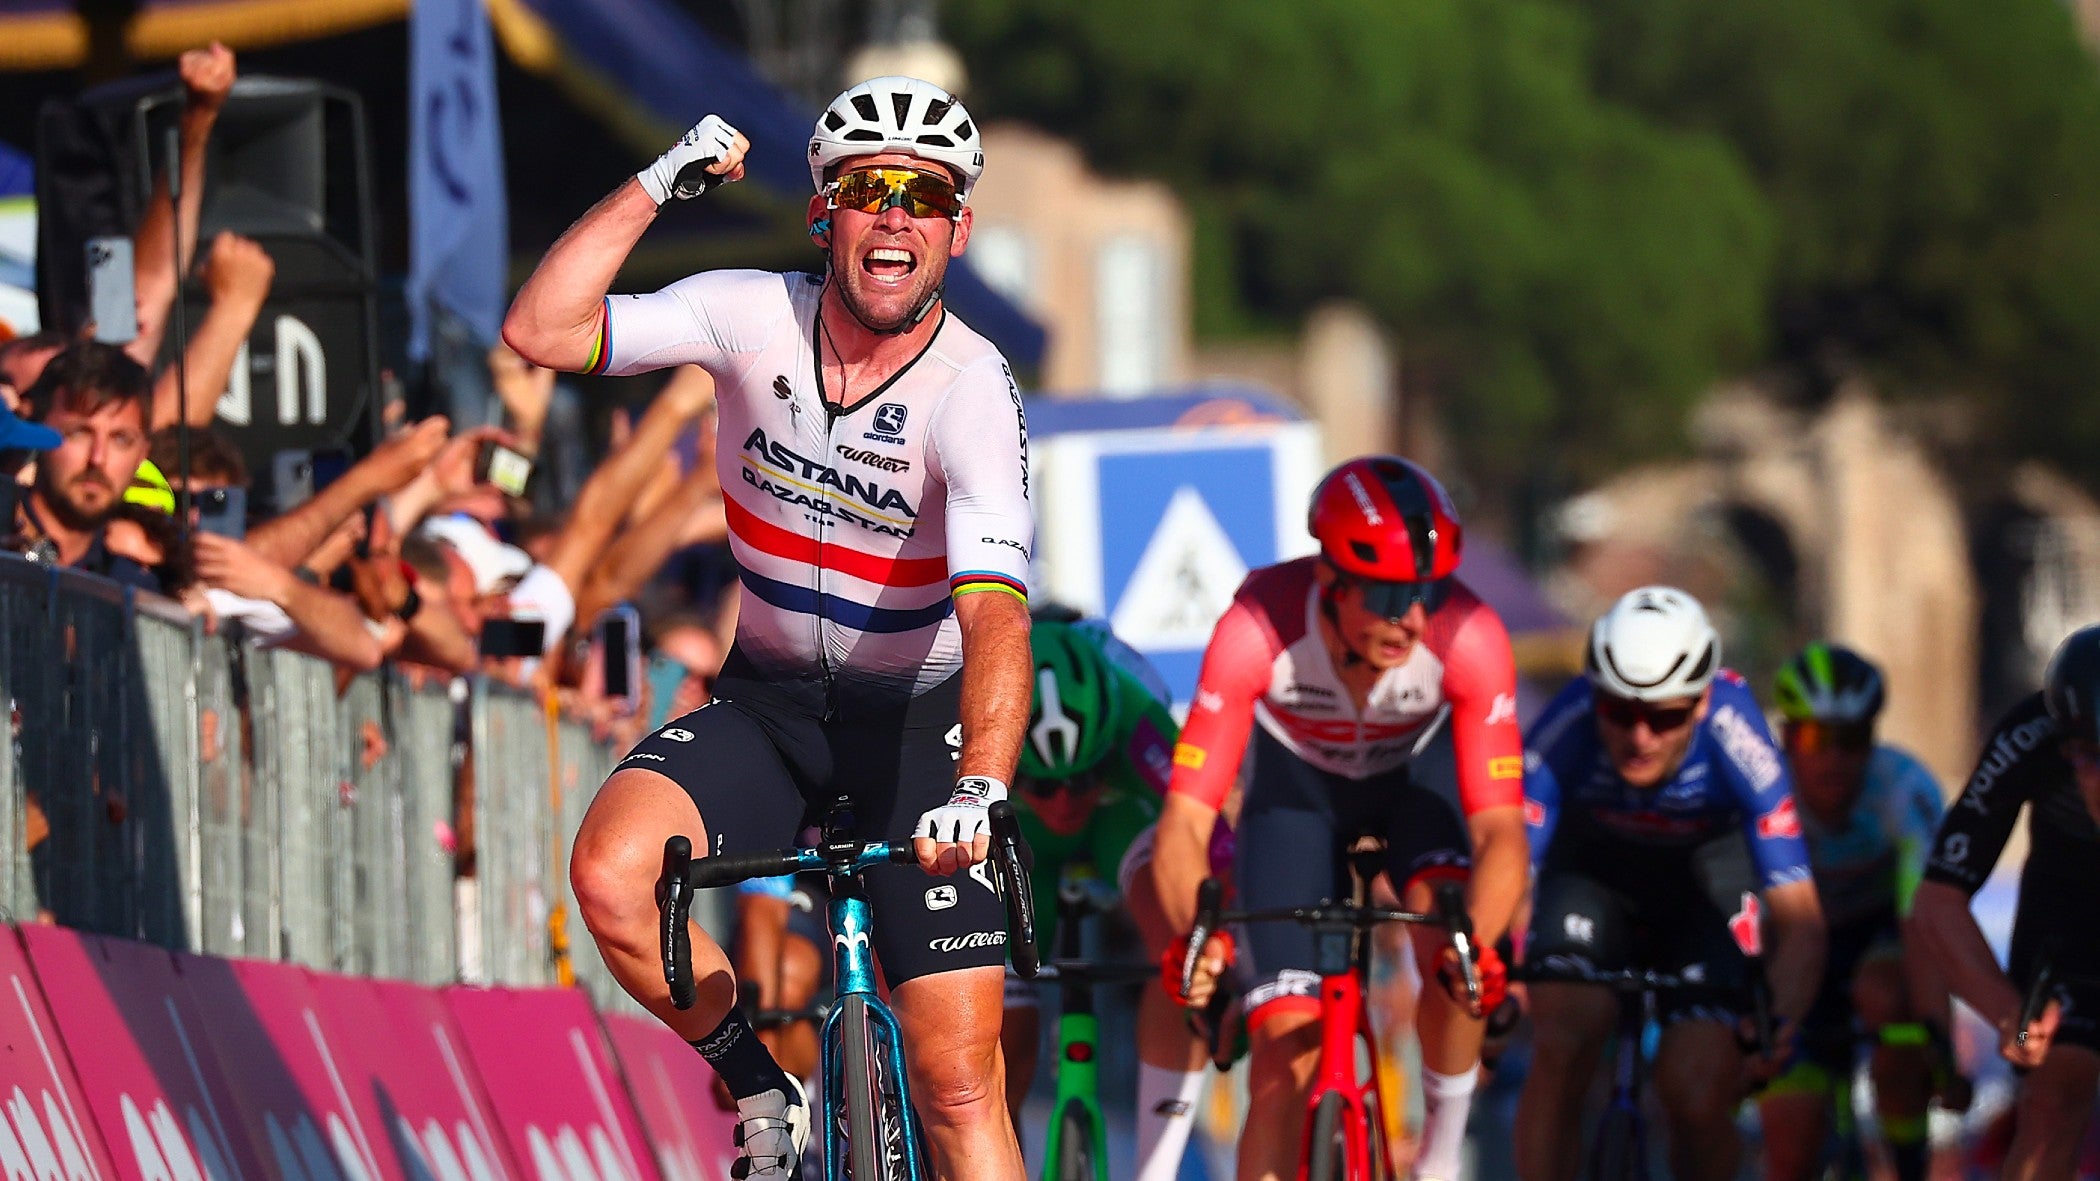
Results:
<point x="556" y="1094"/>
<point x="410" y="1060"/>
<point x="674" y="1092"/>
<point x="146" y="1065"/>
<point x="46" y="1124"/>
<point x="286" y="1074"/>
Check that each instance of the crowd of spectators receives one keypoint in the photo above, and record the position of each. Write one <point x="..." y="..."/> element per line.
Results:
<point x="411" y="555"/>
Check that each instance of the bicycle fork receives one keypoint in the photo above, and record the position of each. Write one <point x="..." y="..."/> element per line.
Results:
<point x="853" y="968"/>
<point x="1345" y="1020"/>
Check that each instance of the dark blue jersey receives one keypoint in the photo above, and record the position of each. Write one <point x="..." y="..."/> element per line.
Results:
<point x="1732" y="778"/>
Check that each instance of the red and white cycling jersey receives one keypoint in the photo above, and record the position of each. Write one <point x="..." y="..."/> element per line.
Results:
<point x="1267" y="662"/>
<point x="852" y="527"/>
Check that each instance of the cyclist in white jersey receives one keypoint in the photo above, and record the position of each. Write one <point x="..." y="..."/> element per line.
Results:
<point x="874" y="462"/>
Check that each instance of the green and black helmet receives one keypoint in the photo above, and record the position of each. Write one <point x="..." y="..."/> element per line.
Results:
<point x="1832" y="684"/>
<point x="1072" y="723"/>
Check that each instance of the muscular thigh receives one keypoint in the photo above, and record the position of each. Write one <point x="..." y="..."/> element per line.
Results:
<point x="729" y="760"/>
<point x="898" y="769"/>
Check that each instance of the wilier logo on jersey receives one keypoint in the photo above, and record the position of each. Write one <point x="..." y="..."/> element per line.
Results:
<point x="876" y="460"/>
<point x="778" y="471"/>
<point x="889" y="423"/>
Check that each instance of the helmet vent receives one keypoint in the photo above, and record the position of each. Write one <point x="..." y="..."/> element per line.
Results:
<point x="966" y="131"/>
<point x="1706" y="660"/>
<point x="900" y="102"/>
<point x="939" y="141"/>
<point x="938" y="110"/>
<point x="833" y="120"/>
<point x="863" y="134"/>
<point x="1364" y="551"/>
<point x="865" y="104"/>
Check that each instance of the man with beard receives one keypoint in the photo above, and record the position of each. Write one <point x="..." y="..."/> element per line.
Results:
<point x="97" y="399"/>
<point x="875" y="477"/>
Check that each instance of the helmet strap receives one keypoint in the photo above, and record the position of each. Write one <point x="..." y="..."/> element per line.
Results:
<point x="1350" y="656"/>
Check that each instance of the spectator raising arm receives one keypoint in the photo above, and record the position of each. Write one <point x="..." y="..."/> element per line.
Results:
<point x="238" y="274"/>
<point x="599" y="508"/>
<point x="207" y="78"/>
<point x="291" y="538"/>
<point x="641" y="550"/>
<point x="329" y="624"/>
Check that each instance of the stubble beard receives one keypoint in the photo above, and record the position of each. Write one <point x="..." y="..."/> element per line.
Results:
<point x="860" y="303"/>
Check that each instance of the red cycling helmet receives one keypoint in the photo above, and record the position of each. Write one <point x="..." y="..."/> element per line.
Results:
<point x="1381" y="519"/>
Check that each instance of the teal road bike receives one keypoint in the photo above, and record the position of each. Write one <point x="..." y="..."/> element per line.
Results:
<point x="870" y="1132"/>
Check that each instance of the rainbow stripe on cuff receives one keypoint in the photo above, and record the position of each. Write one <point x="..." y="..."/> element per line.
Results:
<point x="971" y="581"/>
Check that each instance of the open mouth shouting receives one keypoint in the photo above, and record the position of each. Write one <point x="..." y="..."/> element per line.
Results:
<point x="891" y="266"/>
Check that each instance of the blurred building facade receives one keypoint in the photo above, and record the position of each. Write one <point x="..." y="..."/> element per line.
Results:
<point x="1792" y="526"/>
<point x="1105" y="266"/>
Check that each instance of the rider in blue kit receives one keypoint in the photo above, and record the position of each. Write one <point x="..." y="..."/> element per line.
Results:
<point x="1659" y="810"/>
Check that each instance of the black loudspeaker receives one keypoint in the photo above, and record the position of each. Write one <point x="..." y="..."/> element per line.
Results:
<point x="287" y="167"/>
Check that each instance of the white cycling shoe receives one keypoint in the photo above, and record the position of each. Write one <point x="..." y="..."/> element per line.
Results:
<point x="772" y="1129"/>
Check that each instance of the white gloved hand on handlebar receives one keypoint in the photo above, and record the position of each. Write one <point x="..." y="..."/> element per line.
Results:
<point x="967" y="814"/>
<point x="711" y="139"/>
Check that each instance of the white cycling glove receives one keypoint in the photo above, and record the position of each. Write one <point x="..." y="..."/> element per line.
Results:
<point x="967" y="814"/>
<point x="682" y="171"/>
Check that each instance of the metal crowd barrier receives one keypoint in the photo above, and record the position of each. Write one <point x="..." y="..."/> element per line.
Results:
<point x="203" y="794"/>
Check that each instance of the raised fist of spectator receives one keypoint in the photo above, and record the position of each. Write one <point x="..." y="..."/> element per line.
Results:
<point x="238" y="270"/>
<point x="526" y="390"/>
<point x="207" y="75"/>
<point x="407" y="454"/>
<point x="231" y="566"/>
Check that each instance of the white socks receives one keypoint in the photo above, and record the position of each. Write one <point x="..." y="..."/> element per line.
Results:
<point x="1166" y="1113"/>
<point x="1447" y="1099"/>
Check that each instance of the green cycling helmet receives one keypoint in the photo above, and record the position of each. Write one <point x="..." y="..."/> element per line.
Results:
<point x="1830" y="683"/>
<point x="1072" y="723"/>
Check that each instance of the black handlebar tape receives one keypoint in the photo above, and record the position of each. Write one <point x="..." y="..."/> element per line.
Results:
<point x="1011" y="860"/>
<point x="2037" y="999"/>
<point x="729" y="869"/>
<point x="674" y="940"/>
<point x="901" y="853"/>
<point x="1210" y="901"/>
<point x="1761" y="1007"/>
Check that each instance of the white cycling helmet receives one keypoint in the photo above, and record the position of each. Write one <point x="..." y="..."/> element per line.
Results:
<point x="898" y="115"/>
<point x="1655" y="644"/>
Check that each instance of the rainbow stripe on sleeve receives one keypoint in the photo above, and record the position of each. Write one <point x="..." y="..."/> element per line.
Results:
<point x="601" y="348"/>
<point x="971" y="581"/>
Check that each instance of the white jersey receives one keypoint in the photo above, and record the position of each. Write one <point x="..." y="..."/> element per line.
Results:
<point x="853" y="527"/>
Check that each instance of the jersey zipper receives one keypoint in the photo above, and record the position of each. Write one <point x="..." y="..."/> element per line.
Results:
<point x="831" y="702"/>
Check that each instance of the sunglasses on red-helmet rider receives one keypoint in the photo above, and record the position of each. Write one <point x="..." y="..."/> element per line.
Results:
<point x="1391" y="600"/>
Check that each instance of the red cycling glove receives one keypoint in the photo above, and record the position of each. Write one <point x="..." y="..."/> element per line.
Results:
<point x="1493" y="973"/>
<point x="1177" y="953"/>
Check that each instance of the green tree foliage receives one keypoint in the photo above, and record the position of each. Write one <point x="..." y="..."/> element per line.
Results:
<point x="1935" y="170"/>
<point x="1578" y="213"/>
<point x="1563" y="271"/>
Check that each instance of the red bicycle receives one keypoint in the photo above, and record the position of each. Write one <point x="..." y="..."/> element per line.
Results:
<point x="1345" y="1132"/>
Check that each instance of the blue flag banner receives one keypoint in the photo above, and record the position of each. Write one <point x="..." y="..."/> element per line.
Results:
<point x="459" y="246"/>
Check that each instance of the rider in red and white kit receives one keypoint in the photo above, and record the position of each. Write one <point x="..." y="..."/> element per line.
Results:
<point x="1367" y="668"/>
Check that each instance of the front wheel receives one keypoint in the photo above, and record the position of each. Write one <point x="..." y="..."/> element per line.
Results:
<point x="1620" y="1154"/>
<point x="1073" y="1159"/>
<point x="1328" y="1147"/>
<point x="874" y="1150"/>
